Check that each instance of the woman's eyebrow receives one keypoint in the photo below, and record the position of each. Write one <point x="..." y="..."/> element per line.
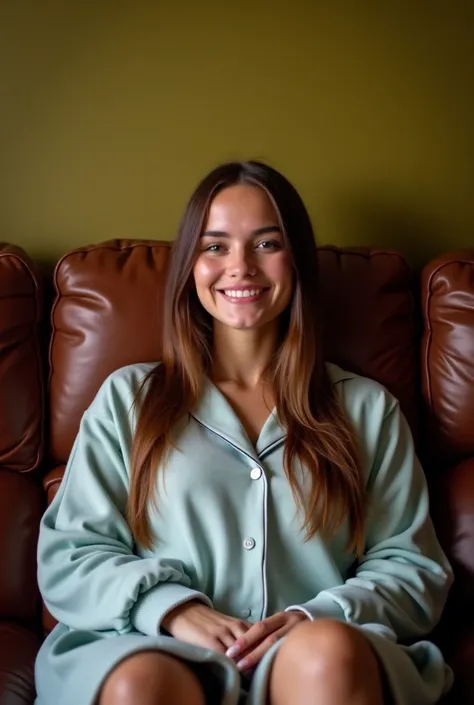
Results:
<point x="259" y="231"/>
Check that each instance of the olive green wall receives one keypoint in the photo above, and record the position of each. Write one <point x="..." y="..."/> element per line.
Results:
<point x="111" y="111"/>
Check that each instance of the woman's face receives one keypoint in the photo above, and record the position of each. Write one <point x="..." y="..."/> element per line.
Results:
<point x="243" y="273"/>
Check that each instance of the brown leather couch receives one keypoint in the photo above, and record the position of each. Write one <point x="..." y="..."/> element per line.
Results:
<point x="413" y="334"/>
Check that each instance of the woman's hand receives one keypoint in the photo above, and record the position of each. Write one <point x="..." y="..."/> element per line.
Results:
<point x="249" y="648"/>
<point x="198" y="624"/>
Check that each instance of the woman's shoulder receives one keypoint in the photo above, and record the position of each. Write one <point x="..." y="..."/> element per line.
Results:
<point x="120" y="389"/>
<point x="360" y="393"/>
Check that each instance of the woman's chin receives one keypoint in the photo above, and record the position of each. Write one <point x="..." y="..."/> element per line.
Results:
<point x="241" y="323"/>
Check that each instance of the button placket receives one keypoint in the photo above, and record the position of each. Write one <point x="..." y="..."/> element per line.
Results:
<point x="255" y="546"/>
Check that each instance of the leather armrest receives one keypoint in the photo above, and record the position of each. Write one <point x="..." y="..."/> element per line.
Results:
<point x="18" y="649"/>
<point x="452" y="496"/>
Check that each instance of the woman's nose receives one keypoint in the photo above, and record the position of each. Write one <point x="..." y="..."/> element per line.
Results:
<point x="241" y="264"/>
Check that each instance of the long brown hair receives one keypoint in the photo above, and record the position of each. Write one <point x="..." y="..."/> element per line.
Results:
<point x="318" y="432"/>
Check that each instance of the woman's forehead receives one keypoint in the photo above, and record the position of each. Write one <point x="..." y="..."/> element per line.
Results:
<point x="243" y="205"/>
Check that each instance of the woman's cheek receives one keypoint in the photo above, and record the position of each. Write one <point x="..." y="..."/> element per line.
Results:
<point x="205" y="269"/>
<point x="280" y="269"/>
<point x="206" y="274"/>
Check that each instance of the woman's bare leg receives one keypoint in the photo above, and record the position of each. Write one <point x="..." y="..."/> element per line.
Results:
<point x="151" y="678"/>
<point x="325" y="663"/>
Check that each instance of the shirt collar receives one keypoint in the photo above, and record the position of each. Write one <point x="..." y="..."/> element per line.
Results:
<point x="215" y="413"/>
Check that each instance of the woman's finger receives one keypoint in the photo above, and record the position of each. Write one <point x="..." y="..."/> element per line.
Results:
<point x="239" y="628"/>
<point x="213" y="643"/>
<point x="225" y="635"/>
<point x="252" y="658"/>
<point x="256" y="635"/>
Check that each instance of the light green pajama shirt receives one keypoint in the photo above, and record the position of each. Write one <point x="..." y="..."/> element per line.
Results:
<point x="228" y="533"/>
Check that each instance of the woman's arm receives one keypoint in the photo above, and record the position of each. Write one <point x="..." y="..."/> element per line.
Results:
<point x="88" y="574"/>
<point x="403" y="579"/>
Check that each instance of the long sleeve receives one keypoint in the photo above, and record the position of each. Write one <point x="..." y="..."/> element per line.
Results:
<point x="88" y="574"/>
<point x="403" y="578"/>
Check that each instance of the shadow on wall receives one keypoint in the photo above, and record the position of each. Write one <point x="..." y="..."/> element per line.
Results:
<point x="386" y="224"/>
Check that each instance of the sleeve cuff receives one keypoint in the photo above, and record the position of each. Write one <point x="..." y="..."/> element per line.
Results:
<point x="322" y="606"/>
<point x="149" y="610"/>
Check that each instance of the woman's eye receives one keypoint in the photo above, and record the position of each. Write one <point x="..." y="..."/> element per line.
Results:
<point x="269" y="245"/>
<point x="215" y="248"/>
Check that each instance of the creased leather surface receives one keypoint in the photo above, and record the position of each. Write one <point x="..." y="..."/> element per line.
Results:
<point x="447" y="290"/>
<point x="107" y="314"/>
<point x="21" y="378"/>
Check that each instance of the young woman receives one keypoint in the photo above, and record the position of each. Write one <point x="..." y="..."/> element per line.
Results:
<point x="242" y="522"/>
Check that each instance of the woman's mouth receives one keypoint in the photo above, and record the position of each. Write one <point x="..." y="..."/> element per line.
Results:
<point x="243" y="296"/>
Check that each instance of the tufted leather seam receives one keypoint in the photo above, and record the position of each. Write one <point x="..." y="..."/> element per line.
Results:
<point x="366" y="253"/>
<point x="54" y="476"/>
<point x="370" y="254"/>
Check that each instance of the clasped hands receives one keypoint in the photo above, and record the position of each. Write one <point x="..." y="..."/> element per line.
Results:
<point x="245" y="643"/>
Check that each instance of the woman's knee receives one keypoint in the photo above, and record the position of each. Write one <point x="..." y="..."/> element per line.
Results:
<point x="151" y="678"/>
<point x="326" y="646"/>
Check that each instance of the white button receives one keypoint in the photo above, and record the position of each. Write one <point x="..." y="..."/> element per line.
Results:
<point x="246" y="612"/>
<point x="249" y="543"/>
<point x="256" y="474"/>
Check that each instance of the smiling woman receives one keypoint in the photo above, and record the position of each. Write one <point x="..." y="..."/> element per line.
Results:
<point x="195" y="482"/>
<point x="243" y="277"/>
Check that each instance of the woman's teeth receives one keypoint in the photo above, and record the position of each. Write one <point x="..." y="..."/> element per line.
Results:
<point x="245" y="294"/>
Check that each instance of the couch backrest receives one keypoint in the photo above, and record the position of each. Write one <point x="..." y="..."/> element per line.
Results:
<point x="21" y="433"/>
<point x="447" y="353"/>
<point x="447" y="290"/>
<point x="21" y="375"/>
<point x="108" y="313"/>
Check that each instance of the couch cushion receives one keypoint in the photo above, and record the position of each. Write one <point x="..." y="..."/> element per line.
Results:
<point x="21" y="506"/>
<point x="108" y="314"/>
<point x="452" y="492"/>
<point x="370" y="321"/>
<point x="21" y="385"/>
<point x="18" y="649"/>
<point x="447" y="363"/>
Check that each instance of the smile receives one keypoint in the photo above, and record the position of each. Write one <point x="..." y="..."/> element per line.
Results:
<point x="242" y="295"/>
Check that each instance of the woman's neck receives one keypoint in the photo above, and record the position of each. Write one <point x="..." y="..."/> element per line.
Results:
<point x="241" y="357"/>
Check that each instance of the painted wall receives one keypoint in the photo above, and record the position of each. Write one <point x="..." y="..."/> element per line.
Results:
<point x="112" y="110"/>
